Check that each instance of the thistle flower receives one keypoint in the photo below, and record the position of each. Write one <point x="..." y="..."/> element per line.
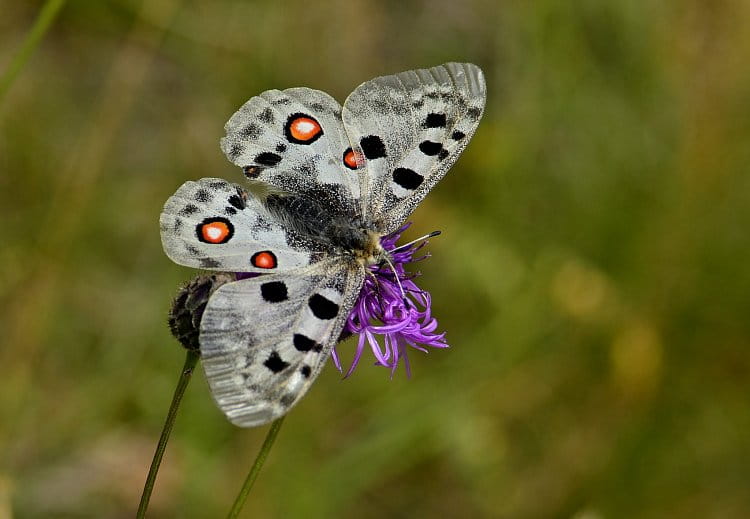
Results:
<point x="388" y="320"/>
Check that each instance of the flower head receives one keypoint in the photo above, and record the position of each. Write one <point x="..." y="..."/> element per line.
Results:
<point x="388" y="320"/>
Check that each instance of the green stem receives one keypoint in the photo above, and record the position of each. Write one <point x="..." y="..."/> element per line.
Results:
<point x="42" y="23"/>
<point x="190" y="361"/>
<point x="239" y="501"/>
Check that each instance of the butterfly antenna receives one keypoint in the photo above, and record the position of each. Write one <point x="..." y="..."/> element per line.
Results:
<point x="407" y="245"/>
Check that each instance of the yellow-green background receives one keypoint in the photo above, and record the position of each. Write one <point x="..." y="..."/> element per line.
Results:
<point x="592" y="277"/>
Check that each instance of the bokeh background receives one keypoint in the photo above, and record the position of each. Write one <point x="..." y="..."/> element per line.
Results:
<point x="592" y="277"/>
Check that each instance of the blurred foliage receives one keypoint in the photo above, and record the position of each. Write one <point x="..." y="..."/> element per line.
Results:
<point x="592" y="277"/>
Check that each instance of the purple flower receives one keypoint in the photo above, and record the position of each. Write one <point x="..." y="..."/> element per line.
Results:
<point x="388" y="320"/>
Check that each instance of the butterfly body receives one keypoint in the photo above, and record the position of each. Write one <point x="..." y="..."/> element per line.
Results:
<point x="339" y="235"/>
<point x="336" y="180"/>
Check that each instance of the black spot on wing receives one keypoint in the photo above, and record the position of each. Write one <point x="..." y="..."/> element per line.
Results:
<point x="304" y="343"/>
<point x="266" y="116"/>
<point x="281" y="148"/>
<point x="188" y="210"/>
<point x="407" y="178"/>
<point x="274" y="291"/>
<point x="275" y="363"/>
<point x="373" y="147"/>
<point x="231" y="211"/>
<point x="203" y="196"/>
<point x="430" y="148"/>
<point x="434" y="120"/>
<point x="443" y="154"/>
<point x="237" y="201"/>
<point x="281" y="101"/>
<point x="235" y="150"/>
<point x="305" y="370"/>
<point x="218" y="185"/>
<point x="458" y="135"/>
<point x="267" y="158"/>
<point x="322" y="307"/>
<point x="251" y="131"/>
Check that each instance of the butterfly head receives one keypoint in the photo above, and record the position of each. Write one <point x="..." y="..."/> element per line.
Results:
<point x="372" y="252"/>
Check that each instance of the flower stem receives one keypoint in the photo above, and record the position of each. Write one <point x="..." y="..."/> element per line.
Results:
<point x="187" y="370"/>
<point x="42" y="23"/>
<point x="239" y="501"/>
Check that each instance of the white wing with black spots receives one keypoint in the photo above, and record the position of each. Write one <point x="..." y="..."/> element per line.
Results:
<point x="294" y="141"/>
<point x="265" y="339"/>
<point x="215" y="225"/>
<point x="411" y="127"/>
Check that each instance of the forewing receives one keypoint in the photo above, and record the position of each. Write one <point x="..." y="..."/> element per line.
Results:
<point x="265" y="339"/>
<point x="212" y="224"/>
<point x="294" y="141"/>
<point x="410" y="128"/>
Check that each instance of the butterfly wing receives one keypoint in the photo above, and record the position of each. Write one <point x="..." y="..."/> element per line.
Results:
<point x="212" y="224"/>
<point x="411" y="127"/>
<point x="265" y="339"/>
<point x="294" y="141"/>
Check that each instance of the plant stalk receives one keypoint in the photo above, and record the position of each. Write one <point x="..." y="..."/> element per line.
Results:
<point x="187" y="370"/>
<point x="239" y="501"/>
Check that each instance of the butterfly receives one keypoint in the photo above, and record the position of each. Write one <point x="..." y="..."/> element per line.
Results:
<point x="328" y="183"/>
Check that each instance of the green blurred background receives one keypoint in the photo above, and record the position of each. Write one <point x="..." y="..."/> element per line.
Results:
<point x="592" y="277"/>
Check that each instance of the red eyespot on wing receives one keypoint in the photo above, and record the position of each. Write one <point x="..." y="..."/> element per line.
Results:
<point x="215" y="230"/>
<point x="302" y="129"/>
<point x="352" y="160"/>
<point x="264" y="260"/>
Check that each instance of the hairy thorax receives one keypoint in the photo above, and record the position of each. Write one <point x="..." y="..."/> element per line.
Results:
<point x="338" y="233"/>
<point x="361" y="243"/>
